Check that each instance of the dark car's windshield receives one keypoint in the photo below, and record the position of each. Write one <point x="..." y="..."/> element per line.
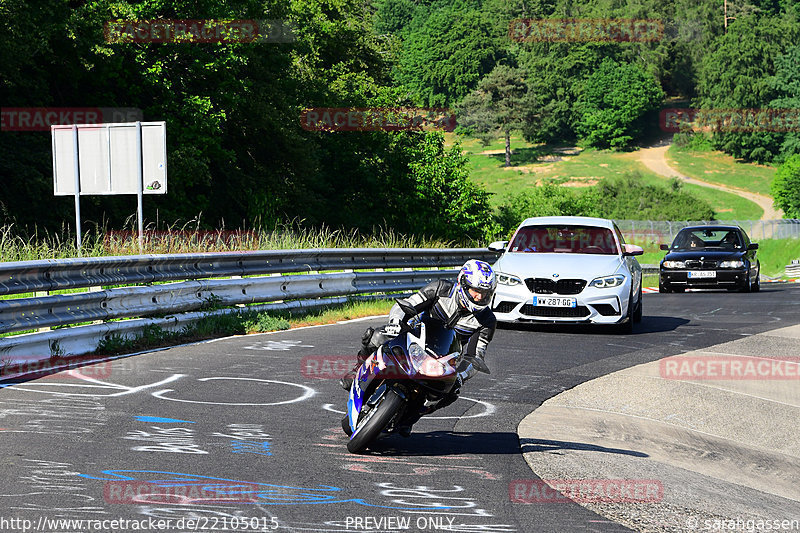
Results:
<point x="565" y="239"/>
<point x="708" y="239"/>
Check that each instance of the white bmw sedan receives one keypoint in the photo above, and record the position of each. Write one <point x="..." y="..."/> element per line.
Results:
<point x="568" y="269"/>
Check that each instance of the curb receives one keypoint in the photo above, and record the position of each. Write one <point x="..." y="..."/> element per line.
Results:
<point x="718" y="448"/>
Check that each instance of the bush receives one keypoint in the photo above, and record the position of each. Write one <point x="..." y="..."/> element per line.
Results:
<point x="628" y="198"/>
<point x="786" y="187"/>
<point x="692" y="142"/>
<point x="263" y="322"/>
<point x="625" y="198"/>
<point x="544" y="200"/>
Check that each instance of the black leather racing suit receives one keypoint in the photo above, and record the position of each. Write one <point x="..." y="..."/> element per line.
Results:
<point x="473" y="330"/>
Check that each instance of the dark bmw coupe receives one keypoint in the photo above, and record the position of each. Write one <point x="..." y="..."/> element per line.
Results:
<point x="710" y="257"/>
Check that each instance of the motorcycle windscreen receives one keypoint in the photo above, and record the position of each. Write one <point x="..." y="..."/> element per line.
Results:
<point x="438" y="337"/>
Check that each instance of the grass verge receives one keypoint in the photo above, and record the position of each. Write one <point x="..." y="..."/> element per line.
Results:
<point x="722" y="169"/>
<point x="19" y="245"/>
<point x="775" y="254"/>
<point x="242" y="323"/>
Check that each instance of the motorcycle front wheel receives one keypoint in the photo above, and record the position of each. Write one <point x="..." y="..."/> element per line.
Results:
<point x="372" y="424"/>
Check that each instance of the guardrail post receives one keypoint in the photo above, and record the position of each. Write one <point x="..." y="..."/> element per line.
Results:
<point x="38" y="294"/>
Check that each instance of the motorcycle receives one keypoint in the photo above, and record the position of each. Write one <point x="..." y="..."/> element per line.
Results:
<point x="403" y="379"/>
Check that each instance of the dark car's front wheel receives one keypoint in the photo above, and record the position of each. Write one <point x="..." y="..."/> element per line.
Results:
<point x="756" y="286"/>
<point x="746" y="286"/>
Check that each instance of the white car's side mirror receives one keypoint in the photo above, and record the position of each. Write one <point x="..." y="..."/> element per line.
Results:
<point x="498" y="246"/>
<point x="632" y="249"/>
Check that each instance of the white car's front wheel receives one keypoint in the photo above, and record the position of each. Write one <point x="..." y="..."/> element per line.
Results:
<point x="626" y="325"/>
<point x="637" y="313"/>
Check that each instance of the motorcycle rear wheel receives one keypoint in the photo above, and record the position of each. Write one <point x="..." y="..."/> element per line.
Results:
<point x="378" y="418"/>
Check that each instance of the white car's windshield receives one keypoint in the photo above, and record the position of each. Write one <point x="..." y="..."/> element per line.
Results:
<point x="565" y="239"/>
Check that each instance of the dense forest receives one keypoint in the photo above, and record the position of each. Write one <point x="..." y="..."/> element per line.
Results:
<point x="239" y="157"/>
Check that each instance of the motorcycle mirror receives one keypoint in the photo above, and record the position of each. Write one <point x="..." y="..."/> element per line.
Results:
<point x="407" y="309"/>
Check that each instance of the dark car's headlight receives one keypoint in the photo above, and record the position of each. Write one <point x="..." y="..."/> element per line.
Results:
<point x="674" y="264"/>
<point x="507" y="279"/>
<point x="608" y="281"/>
<point x="738" y="263"/>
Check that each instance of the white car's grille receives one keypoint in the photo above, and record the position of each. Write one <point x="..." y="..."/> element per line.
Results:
<point x="550" y="286"/>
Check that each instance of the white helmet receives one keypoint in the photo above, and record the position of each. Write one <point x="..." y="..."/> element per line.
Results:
<point x="475" y="285"/>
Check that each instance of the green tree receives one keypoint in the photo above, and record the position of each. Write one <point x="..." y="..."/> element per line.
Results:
<point x="613" y="103"/>
<point x="499" y="105"/>
<point x="786" y="84"/>
<point x="443" y="59"/>
<point x="236" y="151"/>
<point x="786" y="187"/>
<point x="557" y="70"/>
<point x="444" y="202"/>
<point x="737" y="74"/>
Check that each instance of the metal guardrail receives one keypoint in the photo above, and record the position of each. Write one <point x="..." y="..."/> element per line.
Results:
<point x="650" y="269"/>
<point x="793" y="269"/>
<point x="54" y="274"/>
<point x="61" y="310"/>
<point x="200" y="288"/>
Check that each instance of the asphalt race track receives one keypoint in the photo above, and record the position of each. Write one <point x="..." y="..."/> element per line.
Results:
<point x="243" y="434"/>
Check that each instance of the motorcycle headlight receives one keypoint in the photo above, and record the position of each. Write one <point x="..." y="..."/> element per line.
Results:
<point x="417" y="354"/>
<point x="674" y="264"/>
<point x="608" y="281"/>
<point x="433" y="367"/>
<point x="507" y="279"/>
<point x="732" y="264"/>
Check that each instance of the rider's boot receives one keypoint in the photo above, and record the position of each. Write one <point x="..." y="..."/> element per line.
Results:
<point x="366" y="349"/>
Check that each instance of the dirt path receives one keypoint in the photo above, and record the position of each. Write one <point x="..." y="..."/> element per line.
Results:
<point x="654" y="158"/>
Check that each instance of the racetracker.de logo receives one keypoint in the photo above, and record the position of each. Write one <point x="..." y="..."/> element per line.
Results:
<point x="585" y="30"/>
<point x="54" y="368"/>
<point x="733" y="367"/>
<point x="198" y="31"/>
<point x="41" y="118"/>
<point x="139" y="492"/>
<point x="377" y="119"/>
<point x="586" y="490"/>
<point x="336" y="366"/>
<point x="729" y="120"/>
<point x="326" y="366"/>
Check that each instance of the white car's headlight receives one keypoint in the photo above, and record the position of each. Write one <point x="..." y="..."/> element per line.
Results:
<point x="608" y="281"/>
<point x="732" y="264"/>
<point x="674" y="264"/>
<point x="507" y="279"/>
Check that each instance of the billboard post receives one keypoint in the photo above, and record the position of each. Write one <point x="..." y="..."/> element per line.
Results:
<point x="140" y="184"/>
<point x="77" y="188"/>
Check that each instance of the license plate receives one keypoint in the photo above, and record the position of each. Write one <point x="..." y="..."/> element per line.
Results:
<point x="553" y="301"/>
<point x="702" y="274"/>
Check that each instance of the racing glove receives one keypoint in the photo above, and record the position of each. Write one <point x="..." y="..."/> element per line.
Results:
<point x="392" y="329"/>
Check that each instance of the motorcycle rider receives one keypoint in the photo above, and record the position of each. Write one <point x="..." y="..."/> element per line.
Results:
<point x="462" y="305"/>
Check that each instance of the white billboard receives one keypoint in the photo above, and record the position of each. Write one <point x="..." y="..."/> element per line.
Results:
<point x="108" y="158"/>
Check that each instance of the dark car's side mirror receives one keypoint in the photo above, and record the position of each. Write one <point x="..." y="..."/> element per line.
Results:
<point x="664" y="246"/>
<point x="752" y="246"/>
